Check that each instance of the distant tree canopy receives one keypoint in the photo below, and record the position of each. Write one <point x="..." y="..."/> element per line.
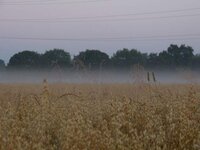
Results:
<point x="174" y="57"/>
<point x="126" y="58"/>
<point x="55" y="57"/>
<point x="153" y="60"/>
<point x="196" y="62"/>
<point x="93" y="59"/>
<point x="25" y="60"/>
<point x="180" y="56"/>
<point x="33" y="60"/>
<point x="2" y="65"/>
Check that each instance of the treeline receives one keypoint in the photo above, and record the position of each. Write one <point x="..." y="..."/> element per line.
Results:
<point x="174" y="57"/>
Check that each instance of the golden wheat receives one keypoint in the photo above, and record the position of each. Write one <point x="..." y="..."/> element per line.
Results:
<point x="105" y="117"/>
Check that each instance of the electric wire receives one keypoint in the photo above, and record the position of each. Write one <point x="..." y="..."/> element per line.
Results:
<point x="136" y="38"/>
<point x="102" y="20"/>
<point x="51" y="2"/>
<point x="103" y="16"/>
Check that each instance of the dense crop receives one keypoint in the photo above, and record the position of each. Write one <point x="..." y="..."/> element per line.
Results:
<point x="104" y="117"/>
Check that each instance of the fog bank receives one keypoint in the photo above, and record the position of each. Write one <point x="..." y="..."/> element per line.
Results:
<point x="99" y="77"/>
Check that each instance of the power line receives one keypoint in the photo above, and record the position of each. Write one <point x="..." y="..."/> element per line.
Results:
<point x="30" y="1"/>
<point x="104" y="16"/>
<point x="137" y="38"/>
<point x="101" y="20"/>
<point x="51" y="2"/>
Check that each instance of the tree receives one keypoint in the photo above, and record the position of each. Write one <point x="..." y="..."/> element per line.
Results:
<point x="173" y="57"/>
<point x="24" y="60"/>
<point x="187" y="55"/>
<point x="181" y="56"/>
<point x="55" y="57"/>
<point x="2" y="65"/>
<point x="196" y="62"/>
<point x="153" y="60"/>
<point x="126" y="58"/>
<point x="93" y="59"/>
<point x="165" y="60"/>
<point x="120" y="58"/>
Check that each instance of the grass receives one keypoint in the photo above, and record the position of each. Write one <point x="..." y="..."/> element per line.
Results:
<point x="105" y="117"/>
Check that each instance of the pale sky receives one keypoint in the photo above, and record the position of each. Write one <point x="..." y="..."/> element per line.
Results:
<point x="169" y="25"/>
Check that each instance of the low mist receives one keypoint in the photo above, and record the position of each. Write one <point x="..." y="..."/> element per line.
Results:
<point x="99" y="76"/>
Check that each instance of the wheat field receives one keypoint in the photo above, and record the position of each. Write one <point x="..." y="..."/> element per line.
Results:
<point x="99" y="117"/>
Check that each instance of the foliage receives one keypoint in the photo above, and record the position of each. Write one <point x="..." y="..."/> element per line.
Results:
<point x="196" y="61"/>
<point x="2" y="65"/>
<point x="174" y="57"/>
<point x="55" y="57"/>
<point x="33" y="60"/>
<point x="25" y="60"/>
<point x="93" y="59"/>
<point x="180" y="56"/>
<point x="126" y="58"/>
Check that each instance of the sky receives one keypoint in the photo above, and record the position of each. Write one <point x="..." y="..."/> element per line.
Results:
<point x="107" y="25"/>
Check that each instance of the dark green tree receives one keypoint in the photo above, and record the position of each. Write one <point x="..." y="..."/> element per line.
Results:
<point x="187" y="55"/>
<point x="55" y="57"/>
<point x="121" y="58"/>
<point x="174" y="57"/>
<point x="153" y="60"/>
<point x="2" y="65"/>
<point x="126" y="58"/>
<point x="180" y="56"/>
<point x="196" y="62"/>
<point x="165" y="60"/>
<point x="25" y="60"/>
<point x="93" y="59"/>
